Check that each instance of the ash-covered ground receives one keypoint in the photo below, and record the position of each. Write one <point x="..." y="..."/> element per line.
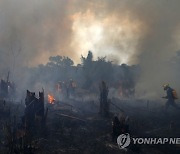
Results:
<point x="76" y="127"/>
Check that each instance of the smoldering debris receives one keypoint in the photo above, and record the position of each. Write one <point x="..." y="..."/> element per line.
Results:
<point x="73" y="127"/>
<point x="81" y="101"/>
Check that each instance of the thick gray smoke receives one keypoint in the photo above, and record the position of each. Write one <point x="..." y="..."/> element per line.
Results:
<point x="32" y="31"/>
<point x="143" y="32"/>
<point x="157" y="43"/>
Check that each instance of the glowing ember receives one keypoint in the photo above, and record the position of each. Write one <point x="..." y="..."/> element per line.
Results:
<point x="51" y="99"/>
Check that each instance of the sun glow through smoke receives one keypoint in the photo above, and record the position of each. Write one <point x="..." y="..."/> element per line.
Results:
<point x="104" y="36"/>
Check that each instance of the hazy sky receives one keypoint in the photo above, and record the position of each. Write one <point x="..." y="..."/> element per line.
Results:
<point x="146" y="32"/>
<point x="120" y="29"/>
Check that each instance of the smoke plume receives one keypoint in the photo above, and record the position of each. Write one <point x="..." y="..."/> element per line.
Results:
<point x="139" y="32"/>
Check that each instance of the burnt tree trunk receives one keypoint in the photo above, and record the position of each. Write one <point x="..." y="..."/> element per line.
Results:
<point x="104" y="104"/>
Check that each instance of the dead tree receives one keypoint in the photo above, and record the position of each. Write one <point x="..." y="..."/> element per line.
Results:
<point x="104" y="104"/>
<point x="30" y="102"/>
<point x="3" y="89"/>
<point x="35" y="116"/>
<point x="7" y="88"/>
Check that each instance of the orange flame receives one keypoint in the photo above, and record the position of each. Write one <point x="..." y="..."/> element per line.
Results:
<point x="51" y="99"/>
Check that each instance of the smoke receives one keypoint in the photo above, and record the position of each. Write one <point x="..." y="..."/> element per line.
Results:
<point x="140" y="32"/>
<point x="152" y="43"/>
<point x="33" y="30"/>
<point x="158" y="46"/>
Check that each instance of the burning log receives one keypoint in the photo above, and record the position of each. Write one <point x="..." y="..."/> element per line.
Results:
<point x="51" y="99"/>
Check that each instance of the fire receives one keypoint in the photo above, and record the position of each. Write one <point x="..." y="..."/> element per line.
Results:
<point x="51" y="99"/>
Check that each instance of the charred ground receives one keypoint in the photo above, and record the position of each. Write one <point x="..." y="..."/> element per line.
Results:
<point x="65" y="117"/>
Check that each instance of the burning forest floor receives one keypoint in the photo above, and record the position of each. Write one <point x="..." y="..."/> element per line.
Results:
<point x="76" y="127"/>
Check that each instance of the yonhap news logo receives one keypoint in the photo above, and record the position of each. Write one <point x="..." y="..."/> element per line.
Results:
<point x="124" y="140"/>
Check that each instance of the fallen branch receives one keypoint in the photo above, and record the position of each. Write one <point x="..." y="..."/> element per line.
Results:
<point x="117" y="107"/>
<point x="64" y="115"/>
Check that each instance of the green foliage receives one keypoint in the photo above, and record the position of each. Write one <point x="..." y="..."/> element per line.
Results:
<point x="60" y="61"/>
